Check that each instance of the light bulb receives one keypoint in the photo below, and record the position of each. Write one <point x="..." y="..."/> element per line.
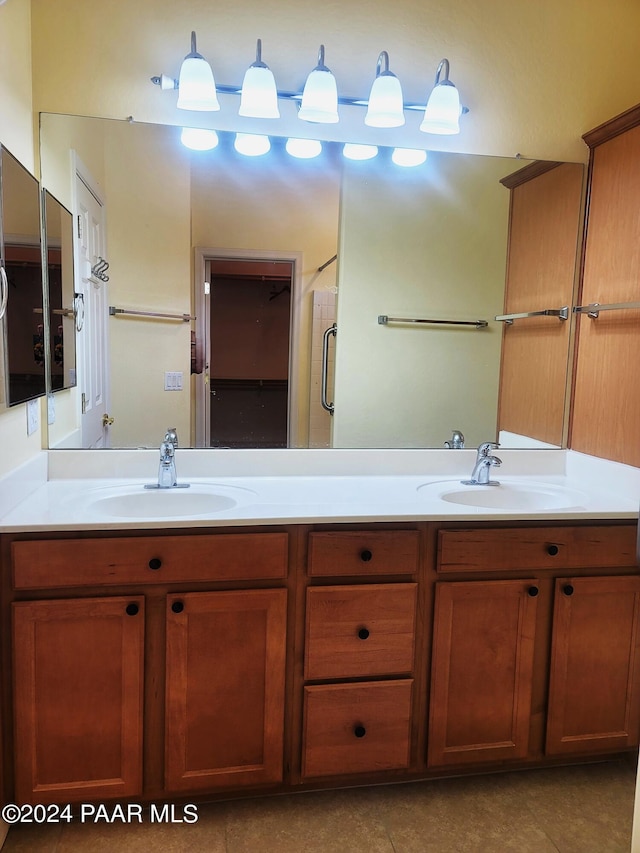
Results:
<point x="304" y="149"/>
<point x="196" y="86"/>
<point x="408" y="156"/>
<point x="259" y="97"/>
<point x="355" y="151"/>
<point x="320" y="95"/>
<point x="198" y="138"/>
<point x="251" y="144"/>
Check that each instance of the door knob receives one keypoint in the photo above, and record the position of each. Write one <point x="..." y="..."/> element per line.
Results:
<point x="106" y="420"/>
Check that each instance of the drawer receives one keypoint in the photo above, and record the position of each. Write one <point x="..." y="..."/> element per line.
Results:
<point x="356" y="728"/>
<point x="380" y="552"/>
<point x="49" y="563"/>
<point x="487" y="550"/>
<point x="362" y="630"/>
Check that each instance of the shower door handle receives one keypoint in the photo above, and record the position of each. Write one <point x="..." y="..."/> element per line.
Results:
<point x="332" y="330"/>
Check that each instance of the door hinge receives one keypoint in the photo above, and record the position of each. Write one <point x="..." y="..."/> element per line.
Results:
<point x="84" y="404"/>
<point x="79" y="226"/>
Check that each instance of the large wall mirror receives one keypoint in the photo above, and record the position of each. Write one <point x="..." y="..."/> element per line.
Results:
<point x="24" y="321"/>
<point x="65" y="312"/>
<point x="429" y="242"/>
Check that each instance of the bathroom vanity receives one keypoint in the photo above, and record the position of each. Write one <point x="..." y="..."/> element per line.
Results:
<point x="259" y="650"/>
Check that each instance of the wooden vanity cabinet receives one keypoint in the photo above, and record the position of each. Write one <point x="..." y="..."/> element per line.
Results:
<point x="563" y="645"/>
<point x="360" y="645"/>
<point x="101" y="693"/>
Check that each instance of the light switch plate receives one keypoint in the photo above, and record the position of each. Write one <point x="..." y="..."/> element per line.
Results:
<point x="32" y="416"/>
<point x="173" y="380"/>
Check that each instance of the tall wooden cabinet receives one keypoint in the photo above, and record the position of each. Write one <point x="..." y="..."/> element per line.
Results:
<point x="606" y="397"/>
<point x="544" y="230"/>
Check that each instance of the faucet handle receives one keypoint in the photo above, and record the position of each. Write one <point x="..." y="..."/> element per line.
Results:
<point x="172" y="436"/>
<point x="486" y="447"/>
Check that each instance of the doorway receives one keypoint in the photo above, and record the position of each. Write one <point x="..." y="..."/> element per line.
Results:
<point x="248" y="351"/>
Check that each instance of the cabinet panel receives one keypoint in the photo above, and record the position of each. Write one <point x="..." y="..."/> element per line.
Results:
<point x="225" y="689"/>
<point x="482" y="671"/>
<point x="356" y="728"/>
<point x="594" y="695"/>
<point x="363" y="552"/>
<point x="78" y="681"/>
<point x="607" y="346"/>
<point x="486" y="550"/>
<point x="50" y="563"/>
<point x="362" y="630"/>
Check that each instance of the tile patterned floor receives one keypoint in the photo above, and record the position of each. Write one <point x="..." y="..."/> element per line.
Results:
<point x="586" y="809"/>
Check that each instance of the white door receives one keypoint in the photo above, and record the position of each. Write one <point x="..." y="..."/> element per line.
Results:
<point x="93" y="355"/>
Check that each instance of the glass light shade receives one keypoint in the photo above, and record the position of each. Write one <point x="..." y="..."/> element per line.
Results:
<point x="304" y="149"/>
<point x="408" y="156"/>
<point x="386" y="107"/>
<point x="198" y="138"/>
<point x="259" y="98"/>
<point x="355" y="151"/>
<point x="251" y="144"/>
<point x="442" y="114"/>
<point x="196" y="86"/>
<point x="320" y="98"/>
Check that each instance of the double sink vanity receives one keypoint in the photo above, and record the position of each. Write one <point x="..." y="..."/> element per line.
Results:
<point x="293" y="621"/>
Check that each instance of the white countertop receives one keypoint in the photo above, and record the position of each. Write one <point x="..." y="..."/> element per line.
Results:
<point x="69" y="490"/>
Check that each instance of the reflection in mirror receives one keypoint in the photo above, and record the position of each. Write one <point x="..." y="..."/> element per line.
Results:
<point x="58" y="242"/>
<point x="425" y="242"/>
<point x="24" y="324"/>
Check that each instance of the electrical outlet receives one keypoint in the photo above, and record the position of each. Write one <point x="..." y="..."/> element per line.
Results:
<point x="51" y="409"/>
<point x="32" y="416"/>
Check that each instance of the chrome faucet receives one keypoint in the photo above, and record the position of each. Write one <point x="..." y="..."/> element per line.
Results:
<point x="456" y="442"/>
<point x="485" y="461"/>
<point x="167" y="477"/>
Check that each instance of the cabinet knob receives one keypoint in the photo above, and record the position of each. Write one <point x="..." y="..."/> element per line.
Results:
<point x="552" y="550"/>
<point x="533" y="591"/>
<point x="155" y="563"/>
<point x="365" y="555"/>
<point x="132" y="609"/>
<point x="363" y="633"/>
<point x="359" y="731"/>
<point x="177" y="606"/>
<point x="567" y="589"/>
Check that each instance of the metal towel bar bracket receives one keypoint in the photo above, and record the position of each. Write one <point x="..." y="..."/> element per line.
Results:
<point x="593" y="310"/>
<point x="384" y="320"/>
<point x="560" y="313"/>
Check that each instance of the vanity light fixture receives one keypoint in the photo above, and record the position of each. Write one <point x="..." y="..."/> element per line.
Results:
<point x="443" y="110"/>
<point x="386" y="108"/>
<point x="303" y="149"/>
<point x="259" y="96"/>
<point x="252" y="144"/>
<point x="408" y="156"/>
<point x="196" y="86"/>
<point x="320" y="95"/>
<point x="319" y="100"/>
<point x="355" y="151"/>
<point x="198" y="138"/>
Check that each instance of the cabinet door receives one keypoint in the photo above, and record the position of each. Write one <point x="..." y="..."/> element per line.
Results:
<point x="78" y="680"/>
<point x="482" y="671"/>
<point x="606" y="404"/>
<point x="594" y="696"/>
<point x="225" y="689"/>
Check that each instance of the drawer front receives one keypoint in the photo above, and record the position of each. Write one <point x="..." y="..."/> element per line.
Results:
<point x="356" y="728"/>
<point x="356" y="553"/>
<point x="47" y="563"/>
<point x="354" y="631"/>
<point x="536" y="548"/>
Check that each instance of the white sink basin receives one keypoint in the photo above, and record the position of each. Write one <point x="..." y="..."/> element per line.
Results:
<point x="137" y="502"/>
<point x="508" y="495"/>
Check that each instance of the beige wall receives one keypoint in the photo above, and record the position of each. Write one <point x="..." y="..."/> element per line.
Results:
<point x="535" y="76"/>
<point x="428" y="243"/>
